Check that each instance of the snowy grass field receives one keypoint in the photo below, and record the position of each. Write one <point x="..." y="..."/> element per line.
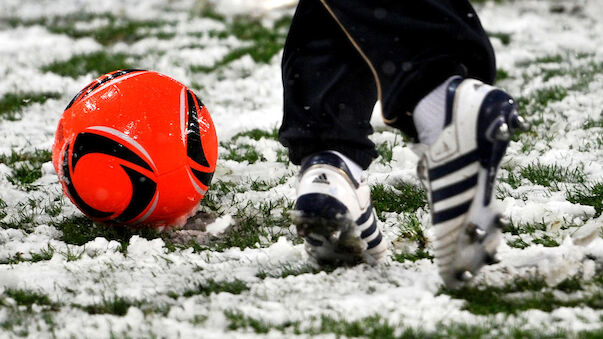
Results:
<point x="238" y="270"/>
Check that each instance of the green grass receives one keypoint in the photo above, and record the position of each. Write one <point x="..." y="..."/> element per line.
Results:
<point x="593" y="123"/>
<point x="288" y="270"/>
<point x="211" y="286"/>
<point x="378" y="327"/>
<point x="399" y="198"/>
<point x="38" y="156"/>
<point x="411" y="230"/>
<point x="546" y="241"/>
<point x="239" y="321"/>
<point x="221" y="187"/>
<point x="265" y="42"/>
<point x="502" y="74"/>
<point x="253" y="224"/>
<point x="505" y="38"/>
<point x="511" y="178"/>
<point x="118" y="30"/>
<point x="43" y="255"/>
<point x="541" y="98"/>
<point x="282" y="156"/>
<point x="419" y="254"/>
<point x="582" y="75"/>
<point x="28" y="298"/>
<point x="536" y="229"/>
<point x="20" y="313"/>
<point x="573" y="284"/>
<point x="213" y="200"/>
<point x="585" y="75"/>
<point x="259" y="53"/>
<point x="11" y="104"/>
<point x="572" y="65"/>
<point x="116" y="306"/>
<point x="208" y="11"/>
<point x="536" y="294"/>
<point x="119" y="306"/>
<point x="3" y="207"/>
<point x="79" y="230"/>
<point x="257" y="134"/>
<point x="551" y="175"/>
<point x="306" y="269"/>
<point x="517" y="242"/>
<point x="73" y="254"/>
<point x="96" y="63"/>
<point x="24" y="174"/>
<point x="266" y="185"/>
<point x="525" y="228"/>
<point x="386" y="149"/>
<point x="241" y="153"/>
<point x="588" y="194"/>
<point x="115" y="29"/>
<point x="55" y="206"/>
<point x="23" y="221"/>
<point x="370" y="327"/>
<point x="547" y="59"/>
<point x="227" y="59"/>
<point x="28" y="214"/>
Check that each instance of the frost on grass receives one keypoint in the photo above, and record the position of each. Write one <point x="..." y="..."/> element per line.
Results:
<point x="11" y="104"/>
<point x="63" y="275"/>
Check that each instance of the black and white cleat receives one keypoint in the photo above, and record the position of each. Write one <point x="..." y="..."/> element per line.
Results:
<point x="334" y="214"/>
<point x="459" y="172"/>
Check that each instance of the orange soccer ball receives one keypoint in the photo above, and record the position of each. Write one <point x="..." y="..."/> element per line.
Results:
<point x="136" y="147"/>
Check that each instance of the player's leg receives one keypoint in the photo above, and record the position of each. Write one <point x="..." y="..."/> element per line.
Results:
<point x="329" y="92"/>
<point x="424" y="54"/>
<point x="329" y="95"/>
<point x="414" y="46"/>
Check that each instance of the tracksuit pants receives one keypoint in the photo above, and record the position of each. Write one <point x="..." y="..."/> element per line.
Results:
<point x="341" y="56"/>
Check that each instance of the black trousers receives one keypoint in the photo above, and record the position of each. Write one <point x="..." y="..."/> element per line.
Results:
<point x="341" y="56"/>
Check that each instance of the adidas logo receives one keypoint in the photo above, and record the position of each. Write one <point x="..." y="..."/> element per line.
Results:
<point x="321" y="179"/>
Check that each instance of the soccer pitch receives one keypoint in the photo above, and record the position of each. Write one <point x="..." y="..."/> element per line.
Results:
<point x="238" y="269"/>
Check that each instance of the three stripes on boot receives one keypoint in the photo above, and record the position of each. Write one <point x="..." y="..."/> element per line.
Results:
<point x="453" y="187"/>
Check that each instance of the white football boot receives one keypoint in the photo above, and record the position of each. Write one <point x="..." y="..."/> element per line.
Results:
<point x="459" y="171"/>
<point x="334" y="214"/>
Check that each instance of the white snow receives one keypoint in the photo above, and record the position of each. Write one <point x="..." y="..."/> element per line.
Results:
<point x="219" y="225"/>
